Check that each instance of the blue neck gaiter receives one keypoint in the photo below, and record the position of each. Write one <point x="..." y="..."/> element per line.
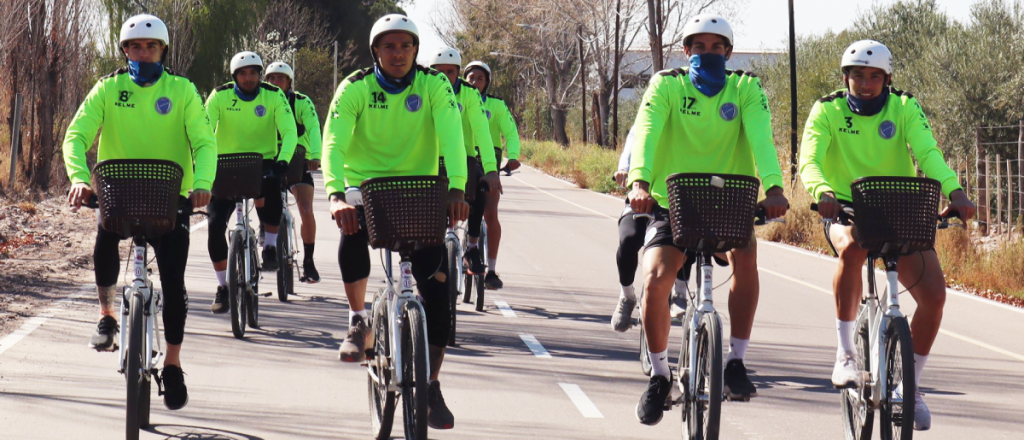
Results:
<point x="707" y="73"/>
<point x="457" y="86"/>
<point x="393" y="86"/>
<point x="247" y="97"/>
<point x="144" y="73"/>
<point x="868" y="107"/>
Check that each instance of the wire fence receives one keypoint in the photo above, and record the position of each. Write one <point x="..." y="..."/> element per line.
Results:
<point x="998" y="180"/>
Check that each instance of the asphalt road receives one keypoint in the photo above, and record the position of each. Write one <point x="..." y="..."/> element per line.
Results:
<point x="540" y="362"/>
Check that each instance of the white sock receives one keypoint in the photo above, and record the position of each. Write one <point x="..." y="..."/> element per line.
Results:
<point x="472" y="245"/>
<point x="492" y="263"/>
<point x="680" y="286"/>
<point x="627" y="292"/>
<point x="919" y="362"/>
<point x="222" y="277"/>
<point x="737" y="348"/>
<point x="270" y="239"/>
<point x="659" y="365"/>
<point x="844" y="330"/>
<point x="352" y="314"/>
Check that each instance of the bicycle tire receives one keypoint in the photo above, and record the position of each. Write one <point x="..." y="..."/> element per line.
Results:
<point x="453" y="284"/>
<point x="382" y="402"/>
<point x="133" y="369"/>
<point x="467" y="283"/>
<point x="285" y="268"/>
<point x="704" y="418"/>
<point x="415" y="369"/>
<point x="252" y="301"/>
<point x="480" y="288"/>
<point x="897" y="422"/>
<point x="236" y="284"/>
<point x="682" y="369"/>
<point x="645" y="352"/>
<point x="858" y="418"/>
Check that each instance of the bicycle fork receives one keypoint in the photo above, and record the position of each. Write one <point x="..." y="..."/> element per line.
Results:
<point x="152" y="301"/>
<point x="242" y="226"/>
<point x="878" y="325"/>
<point x="706" y="306"/>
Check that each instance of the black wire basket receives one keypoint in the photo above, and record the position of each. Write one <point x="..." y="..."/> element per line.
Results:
<point x="900" y="212"/>
<point x="405" y="213"/>
<point x="137" y="197"/>
<point x="712" y="212"/>
<point x="239" y="176"/>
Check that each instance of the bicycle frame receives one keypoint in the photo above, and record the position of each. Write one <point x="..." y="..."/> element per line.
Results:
<point x="153" y="301"/>
<point x="704" y="290"/>
<point x="453" y="234"/>
<point x="242" y="227"/>
<point x="395" y="302"/>
<point x="878" y="319"/>
<point x="288" y="255"/>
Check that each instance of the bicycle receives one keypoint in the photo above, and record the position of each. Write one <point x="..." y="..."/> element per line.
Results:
<point x="895" y="216"/>
<point x="709" y="214"/>
<point x="470" y="279"/>
<point x="238" y="179"/>
<point x="286" y="239"/>
<point x="402" y="214"/>
<point x="138" y="198"/>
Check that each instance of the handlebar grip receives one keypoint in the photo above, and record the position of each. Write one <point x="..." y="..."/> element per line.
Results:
<point x="93" y="203"/>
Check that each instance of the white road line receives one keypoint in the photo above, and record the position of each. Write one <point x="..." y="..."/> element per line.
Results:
<point x="35" y="322"/>
<point x="582" y="402"/>
<point x="566" y="201"/>
<point x="199" y="226"/>
<point x="976" y="342"/>
<point x="506" y="311"/>
<point x="534" y="345"/>
<point x="566" y="182"/>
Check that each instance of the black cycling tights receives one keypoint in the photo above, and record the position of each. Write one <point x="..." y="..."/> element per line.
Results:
<point x="223" y="211"/>
<point x="354" y="259"/>
<point x="631" y="239"/>
<point x="171" y="258"/>
<point x="476" y="210"/>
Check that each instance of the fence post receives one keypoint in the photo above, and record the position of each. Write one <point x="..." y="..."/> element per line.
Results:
<point x="983" y="189"/>
<point x="1009" y="199"/>
<point x="979" y="171"/>
<point x="999" y="194"/>
<point x="15" y="137"/>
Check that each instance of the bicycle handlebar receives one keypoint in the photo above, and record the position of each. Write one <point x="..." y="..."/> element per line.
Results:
<point x="846" y="217"/>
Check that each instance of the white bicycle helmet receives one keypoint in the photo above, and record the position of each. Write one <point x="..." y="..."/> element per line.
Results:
<point x="393" y="23"/>
<point x="245" y="59"/>
<point x="479" y="64"/>
<point x="282" y="68"/>
<point x="707" y="24"/>
<point x="868" y="53"/>
<point x="448" y="55"/>
<point x="144" y="26"/>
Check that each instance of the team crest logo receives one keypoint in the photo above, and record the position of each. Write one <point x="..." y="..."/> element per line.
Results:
<point x="163" y="105"/>
<point x="261" y="111"/>
<point x="488" y="114"/>
<point x="887" y="130"/>
<point x="460" y="107"/>
<point x="413" y="103"/>
<point x="728" y="111"/>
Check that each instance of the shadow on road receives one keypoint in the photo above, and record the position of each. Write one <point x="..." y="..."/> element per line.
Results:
<point x="198" y="433"/>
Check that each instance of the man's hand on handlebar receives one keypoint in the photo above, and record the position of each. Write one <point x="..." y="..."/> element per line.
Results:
<point x="960" y="204"/>
<point x="775" y="204"/>
<point x="200" y="198"/>
<point x="345" y="215"/>
<point x="79" y="195"/>
<point x="620" y="178"/>
<point x="640" y="198"/>
<point x="458" y="209"/>
<point x="828" y="206"/>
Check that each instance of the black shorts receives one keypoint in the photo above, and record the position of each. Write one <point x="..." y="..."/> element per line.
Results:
<point x="307" y="179"/>
<point x="659" y="233"/>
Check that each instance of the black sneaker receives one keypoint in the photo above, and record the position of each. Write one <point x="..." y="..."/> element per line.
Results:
<point x="492" y="281"/>
<point x="269" y="258"/>
<point x="652" y="403"/>
<point x="737" y="384"/>
<point x="174" y="390"/>
<point x="438" y="415"/>
<point x="105" y="338"/>
<point x="476" y="263"/>
<point x="309" y="273"/>
<point x="220" y="300"/>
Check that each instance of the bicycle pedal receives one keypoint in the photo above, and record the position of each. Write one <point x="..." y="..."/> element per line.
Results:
<point x="265" y="294"/>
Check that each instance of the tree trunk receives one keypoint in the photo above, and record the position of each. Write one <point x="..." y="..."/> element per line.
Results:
<point x="603" y="100"/>
<point x="654" y="33"/>
<point x="557" y="111"/>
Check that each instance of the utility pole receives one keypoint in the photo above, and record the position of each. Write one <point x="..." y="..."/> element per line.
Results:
<point x="792" y="99"/>
<point x="335" y="65"/>
<point x="583" y="75"/>
<point x="615" y="78"/>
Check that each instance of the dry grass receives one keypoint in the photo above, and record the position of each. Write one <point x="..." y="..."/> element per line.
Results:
<point x="992" y="270"/>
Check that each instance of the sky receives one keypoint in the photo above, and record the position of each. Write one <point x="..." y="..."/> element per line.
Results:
<point x="763" y="24"/>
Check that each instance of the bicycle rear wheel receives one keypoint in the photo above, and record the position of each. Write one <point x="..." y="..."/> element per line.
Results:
<point x="858" y="418"/>
<point x="704" y="403"/>
<point x="382" y="401"/>
<point x="286" y="261"/>
<point x="133" y="369"/>
<point x="897" y="421"/>
<point x="237" y="284"/>
<point x="415" y="369"/>
<point x="454" y="273"/>
<point x="252" y="301"/>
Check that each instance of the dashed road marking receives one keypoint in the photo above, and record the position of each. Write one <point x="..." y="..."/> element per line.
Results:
<point x="506" y="311"/>
<point x="534" y="345"/>
<point x="582" y="402"/>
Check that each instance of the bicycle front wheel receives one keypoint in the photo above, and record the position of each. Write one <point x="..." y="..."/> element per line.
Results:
<point x="252" y="300"/>
<point x="133" y="369"/>
<point x="453" y="283"/>
<point x="857" y="416"/>
<point x="378" y="375"/>
<point x="704" y="404"/>
<point x="285" y="267"/>
<point x="415" y="369"/>
<point x="897" y="421"/>
<point x="237" y="284"/>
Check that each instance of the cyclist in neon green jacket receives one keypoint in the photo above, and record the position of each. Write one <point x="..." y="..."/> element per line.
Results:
<point x="704" y="119"/>
<point x="247" y="116"/>
<point x="862" y="131"/>
<point x="394" y="119"/>
<point x="478" y="74"/>
<point x="476" y="132"/>
<point x="146" y="112"/>
<point x="307" y="123"/>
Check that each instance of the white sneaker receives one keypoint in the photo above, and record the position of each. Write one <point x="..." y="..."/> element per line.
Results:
<point x="846" y="374"/>
<point x="922" y="416"/>
<point x="622" y="318"/>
